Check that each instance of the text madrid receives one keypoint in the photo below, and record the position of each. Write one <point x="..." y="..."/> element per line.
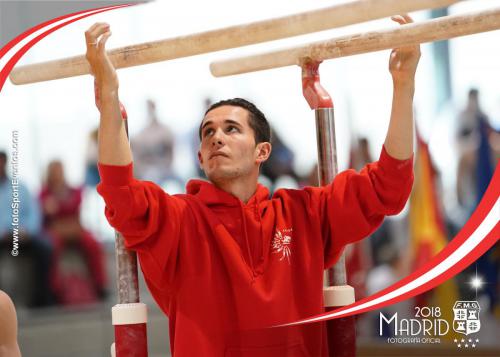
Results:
<point x="414" y="327"/>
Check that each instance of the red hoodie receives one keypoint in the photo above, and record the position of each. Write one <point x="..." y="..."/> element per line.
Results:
<point x="222" y="270"/>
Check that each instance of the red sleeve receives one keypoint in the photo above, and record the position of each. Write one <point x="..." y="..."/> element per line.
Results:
<point x="148" y="218"/>
<point x="355" y="204"/>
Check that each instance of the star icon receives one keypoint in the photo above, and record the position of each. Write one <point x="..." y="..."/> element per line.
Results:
<point x="455" y="340"/>
<point x="477" y="340"/>
<point x="473" y="345"/>
<point x="466" y="345"/>
<point x="476" y="282"/>
<point x="462" y="340"/>
<point x="459" y="345"/>
<point x="470" y="340"/>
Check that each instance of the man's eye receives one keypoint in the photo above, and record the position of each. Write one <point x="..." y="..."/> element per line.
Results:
<point x="232" y="129"/>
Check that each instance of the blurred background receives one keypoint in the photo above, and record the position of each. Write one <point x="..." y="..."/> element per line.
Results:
<point x="63" y="284"/>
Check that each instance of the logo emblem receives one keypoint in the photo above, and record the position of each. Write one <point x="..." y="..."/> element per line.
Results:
<point x="281" y="243"/>
<point x="466" y="317"/>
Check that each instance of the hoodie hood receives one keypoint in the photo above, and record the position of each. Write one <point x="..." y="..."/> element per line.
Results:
<point x="211" y="195"/>
<point x="244" y="222"/>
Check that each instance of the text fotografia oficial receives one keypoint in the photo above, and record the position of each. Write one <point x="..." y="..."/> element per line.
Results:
<point x="426" y="327"/>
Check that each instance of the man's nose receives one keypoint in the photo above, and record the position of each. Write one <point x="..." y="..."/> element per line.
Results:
<point x="218" y="138"/>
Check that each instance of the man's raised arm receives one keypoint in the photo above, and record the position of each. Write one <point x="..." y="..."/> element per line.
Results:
<point x="402" y="65"/>
<point x="113" y="144"/>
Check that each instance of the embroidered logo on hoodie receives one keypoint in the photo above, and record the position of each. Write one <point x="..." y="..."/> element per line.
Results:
<point x="281" y="243"/>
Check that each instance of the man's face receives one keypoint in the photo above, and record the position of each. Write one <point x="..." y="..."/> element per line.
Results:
<point x="227" y="148"/>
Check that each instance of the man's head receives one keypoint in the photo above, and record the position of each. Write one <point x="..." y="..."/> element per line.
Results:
<point x="234" y="140"/>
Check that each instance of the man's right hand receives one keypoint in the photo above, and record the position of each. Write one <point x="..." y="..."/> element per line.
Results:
<point x="113" y="146"/>
<point x="105" y="77"/>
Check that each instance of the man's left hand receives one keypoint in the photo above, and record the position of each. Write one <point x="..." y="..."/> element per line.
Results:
<point x="404" y="60"/>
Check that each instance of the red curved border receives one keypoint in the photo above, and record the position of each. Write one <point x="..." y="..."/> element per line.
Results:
<point x="25" y="34"/>
<point x="15" y="58"/>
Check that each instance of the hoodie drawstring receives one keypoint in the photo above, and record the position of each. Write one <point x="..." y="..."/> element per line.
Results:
<point x="245" y="232"/>
<point x="263" y="247"/>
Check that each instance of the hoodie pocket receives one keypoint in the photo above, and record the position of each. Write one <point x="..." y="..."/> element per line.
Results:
<point x="290" y="350"/>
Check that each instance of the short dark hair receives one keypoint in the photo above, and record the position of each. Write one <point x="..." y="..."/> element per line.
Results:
<point x="256" y="119"/>
<point x="3" y="155"/>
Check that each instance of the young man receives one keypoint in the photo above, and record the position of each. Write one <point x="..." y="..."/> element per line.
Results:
<point x="224" y="261"/>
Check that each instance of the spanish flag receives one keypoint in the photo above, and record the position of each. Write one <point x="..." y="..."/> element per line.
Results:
<point x="427" y="230"/>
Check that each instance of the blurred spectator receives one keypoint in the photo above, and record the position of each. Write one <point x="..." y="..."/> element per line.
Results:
<point x="91" y="172"/>
<point x="153" y="149"/>
<point x="473" y="129"/>
<point x="280" y="163"/>
<point x="380" y="278"/>
<point x="469" y="116"/>
<point x="92" y="204"/>
<point x="79" y="273"/>
<point x="360" y="154"/>
<point x="31" y="242"/>
<point x="359" y="255"/>
<point x="467" y="139"/>
<point x="195" y="139"/>
<point x="478" y="142"/>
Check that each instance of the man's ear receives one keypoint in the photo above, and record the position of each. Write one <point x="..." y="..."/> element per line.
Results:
<point x="263" y="151"/>
<point x="200" y="159"/>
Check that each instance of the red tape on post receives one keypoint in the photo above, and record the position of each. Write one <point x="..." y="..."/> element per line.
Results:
<point x="131" y="340"/>
<point x="316" y="96"/>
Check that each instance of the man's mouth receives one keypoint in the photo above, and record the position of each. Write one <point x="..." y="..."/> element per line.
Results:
<point x="216" y="154"/>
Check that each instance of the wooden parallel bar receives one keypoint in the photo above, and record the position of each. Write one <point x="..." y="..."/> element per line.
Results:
<point x="229" y="37"/>
<point x="438" y="29"/>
